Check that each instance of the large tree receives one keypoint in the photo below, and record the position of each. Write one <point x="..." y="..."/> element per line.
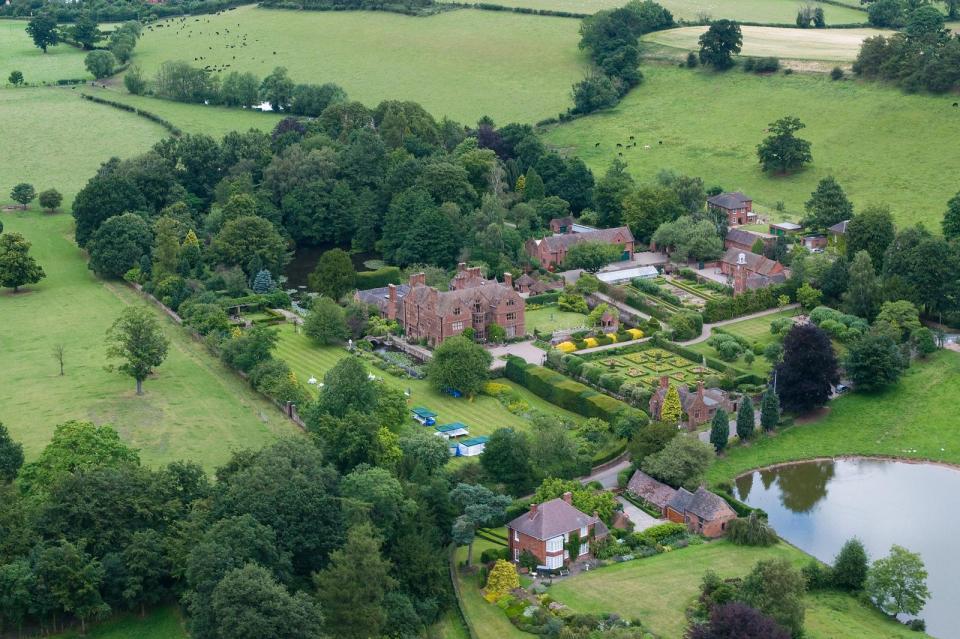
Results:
<point x="479" y="506"/>
<point x="42" y="28"/>
<point x="897" y="584"/>
<point x="326" y="323"/>
<point x="874" y="362"/>
<point x="870" y="230"/>
<point x="85" y="31"/>
<point x="746" y="421"/>
<point x="921" y="267"/>
<point x="776" y="588"/>
<point x="251" y="239"/>
<point x="682" y="462"/>
<point x="646" y="208"/>
<point x="334" y="275"/>
<point x="11" y="455"/>
<point x="720" y="430"/>
<point x="737" y="620"/>
<point x="719" y="44"/>
<point x="17" y="267"/>
<point x="864" y="289"/>
<point x="805" y="377"/>
<point x="119" y="244"/>
<point x="100" y="63"/>
<point x="277" y="89"/>
<point x="23" y="194"/>
<point x="850" y="566"/>
<point x="507" y="460"/>
<point x="347" y="388"/>
<point x="689" y="239"/>
<point x="951" y="219"/>
<point x="827" y="205"/>
<point x="591" y="256"/>
<point x="136" y="338"/>
<point x="609" y="193"/>
<point x="459" y="364"/>
<point x="782" y="151"/>
<point x="769" y="410"/>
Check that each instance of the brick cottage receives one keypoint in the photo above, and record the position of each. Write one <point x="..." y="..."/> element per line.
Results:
<point x="546" y="529"/>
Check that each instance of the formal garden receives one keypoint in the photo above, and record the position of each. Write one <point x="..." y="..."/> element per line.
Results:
<point x="651" y="364"/>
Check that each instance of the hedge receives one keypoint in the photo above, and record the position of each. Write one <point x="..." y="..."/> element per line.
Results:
<point x="544" y="298"/>
<point x="378" y="278"/>
<point x="153" y="117"/>
<point x="563" y="391"/>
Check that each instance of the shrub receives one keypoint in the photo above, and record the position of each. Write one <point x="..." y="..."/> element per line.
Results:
<point x="817" y="576"/>
<point x="503" y="578"/>
<point x="766" y="65"/>
<point x="378" y="278"/>
<point x="836" y="73"/>
<point x="751" y="531"/>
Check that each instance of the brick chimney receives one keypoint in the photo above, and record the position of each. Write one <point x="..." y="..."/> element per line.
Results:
<point x="508" y="279"/>
<point x="461" y="267"/>
<point x="418" y="279"/>
<point x="533" y="511"/>
<point x="475" y="271"/>
<point x="700" y="389"/>
<point x="392" y="301"/>
<point x="568" y="497"/>
<point x="664" y="382"/>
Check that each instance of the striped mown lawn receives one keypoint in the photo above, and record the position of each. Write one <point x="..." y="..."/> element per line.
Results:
<point x="482" y="414"/>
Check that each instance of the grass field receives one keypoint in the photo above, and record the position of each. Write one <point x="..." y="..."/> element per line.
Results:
<point x="459" y="64"/>
<point x="193" y="408"/>
<point x="482" y="414"/>
<point x="710" y="124"/>
<point x="657" y="590"/>
<point x="18" y="53"/>
<point x="799" y="44"/>
<point x="487" y="620"/>
<point x="550" y="319"/>
<point x="53" y="138"/>
<point x="160" y="623"/>
<point x="916" y="419"/>
<point x="758" y="328"/>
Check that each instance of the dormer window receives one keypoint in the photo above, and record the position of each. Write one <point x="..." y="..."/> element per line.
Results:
<point x="456" y="311"/>
<point x="510" y="302"/>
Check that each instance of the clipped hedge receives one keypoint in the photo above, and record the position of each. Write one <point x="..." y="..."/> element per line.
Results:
<point x="378" y="278"/>
<point x="153" y="117"/>
<point x="544" y="298"/>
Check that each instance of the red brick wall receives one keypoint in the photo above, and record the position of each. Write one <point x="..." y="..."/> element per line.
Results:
<point x="537" y="547"/>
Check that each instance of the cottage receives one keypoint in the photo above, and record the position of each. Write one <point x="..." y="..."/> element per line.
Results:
<point x="643" y="486"/>
<point x="551" y="251"/>
<point x="546" y="531"/>
<point x="562" y="225"/>
<point x="815" y="242"/>
<point x="450" y="431"/>
<point x="703" y="512"/>
<point x="743" y="240"/>
<point x="425" y="416"/>
<point x="699" y="406"/>
<point x="736" y="206"/>
<point x="783" y="229"/>
<point x="472" y="447"/>
<point x="750" y="271"/>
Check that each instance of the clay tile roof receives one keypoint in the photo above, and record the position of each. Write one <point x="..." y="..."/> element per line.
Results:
<point x="646" y="487"/>
<point x="554" y="517"/>
<point x="680" y="500"/>
<point x="739" y="236"/>
<point x="756" y="263"/>
<point x="526" y="280"/>
<point x="708" y="506"/>
<point x="557" y="242"/>
<point x="735" y="200"/>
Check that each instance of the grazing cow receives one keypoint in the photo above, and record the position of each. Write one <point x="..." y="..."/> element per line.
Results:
<point x="646" y="146"/>
<point x="596" y="145"/>
<point x="956" y="104"/>
<point x="619" y="146"/>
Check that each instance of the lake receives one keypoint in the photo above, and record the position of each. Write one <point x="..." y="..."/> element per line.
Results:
<point x="818" y="505"/>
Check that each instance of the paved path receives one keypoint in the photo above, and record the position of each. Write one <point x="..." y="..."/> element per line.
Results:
<point x="607" y="476"/>
<point x="292" y="317"/>
<point x="641" y="520"/>
<point x="606" y="347"/>
<point x="708" y="328"/>
<point x="524" y="350"/>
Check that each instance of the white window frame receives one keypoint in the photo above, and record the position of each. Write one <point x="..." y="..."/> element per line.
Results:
<point x="516" y="554"/>
<point x="584" y="548"/>
<point x="516" y="535"/>
<point x="457" y="326"/>
<point x="584" y="532"/>
<point x="555" y="544"/>
<point x="554" y="561"/>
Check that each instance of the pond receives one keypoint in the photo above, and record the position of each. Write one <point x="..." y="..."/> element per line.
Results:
<point x="305" y="260"/>
<point x="818" y="505"/>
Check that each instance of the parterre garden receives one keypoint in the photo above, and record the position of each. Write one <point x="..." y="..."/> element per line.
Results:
<point x="649" y="365"/>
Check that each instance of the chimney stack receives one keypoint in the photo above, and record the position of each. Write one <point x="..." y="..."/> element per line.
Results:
<point x="568" y="497"/>
<point x="700" y="389"/>
<point x="508" y="279"/>
<point x="392" y="301"/>
<point x="664" y="382"/>
<point x="461" y="266"/>
<point x="533" y="511"/>
<point x="418" y="279"/>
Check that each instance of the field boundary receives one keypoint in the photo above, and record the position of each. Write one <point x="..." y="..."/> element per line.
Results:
<point x="459" y="595"/>
<point x="149" y="115"/>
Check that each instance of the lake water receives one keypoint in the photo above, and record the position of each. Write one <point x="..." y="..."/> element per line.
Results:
<point x="817" y="506"/>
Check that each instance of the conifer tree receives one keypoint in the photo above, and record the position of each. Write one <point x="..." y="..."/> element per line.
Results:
<point x="671" y="411"/>
<point x="720" y="430"/>
<point x="769" y="410"/>
<point x="745" y="420"/>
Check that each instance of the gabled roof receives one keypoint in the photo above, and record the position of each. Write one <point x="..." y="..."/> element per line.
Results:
<point x="680" y="500"/>
<point x="745" y="238"/>
<point x="558" y="242"/>
<point x="487" y="295"/>
<point x="756" y="263"/>
<point x="839" y="228"/>
<point x="734" y="200"/>
<point x="646" y="487"/>
<point x="552" y="518"/>
<point x="708" y="506"/>
<point x="379" y="296"/>
<point x="525" y="280"/>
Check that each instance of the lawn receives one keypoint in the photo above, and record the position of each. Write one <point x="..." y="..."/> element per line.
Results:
<point x="657" y="590"/>
<point x="160" y="623"/>
<point x="459" y="64"/>
<point x="482" y="414"/>
<point x="488" y="621"/>
<point x="550" y="318"/>
<point x="840" y="45"/>
<point x="53" y="138"/>
<point x="772" y="11"/>
<point x="757" y="329"/>
<point x="915" y="420"/>
<point x="193" y="408"/>
<point x="18" y="53"/>
<point x="692" y="114"/>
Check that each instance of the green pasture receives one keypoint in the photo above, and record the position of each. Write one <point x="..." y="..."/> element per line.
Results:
<point x="482" y="414"/>
<point x="160" y="623"/>
<point x="657" y="590"/>
<point x="757" y="329"/>
<point x="840" y="45"/>
<point x="192" y="408"/>
<point x="881" y="144"/>
<point x="915" y="419"/>
<point x="460" y="64"/>
<point x="18" y="53"/>
<point x="54" y="139"/>
<point x="550" y="318"/>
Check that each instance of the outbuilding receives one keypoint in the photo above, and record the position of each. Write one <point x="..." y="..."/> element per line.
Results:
<point x="424" y="415"/>
<point x="449" y="431"/>
<point x="472" y="447"/>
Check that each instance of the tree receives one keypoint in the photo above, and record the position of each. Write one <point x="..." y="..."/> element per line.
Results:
<point x="263" y="283"/>
<point x="682" y="462"/>
<point x="507" y="460"/>
<point x="827" y="205"/>
<point x="776" y="588"/>
<point x="85" y="31"/>
<point x="277" y="89"/>
<point x="423" y="454"/>
<point x="751" y="531"/>
<point x="134" y="80"/>
<point x="903" y="318"/>
<point x="326" y="323"/>
<point x="248" y="603"/>
<point x="596" y="91"/>
<point x="720" y="430"/>
<point x="100" y="63"/>
<point x="11" y="455"/>
<point x="651" y="439"/>
<point x="719" y="43"/>
<point x="240" y="90"/>
<point x="502" y="579"/>
<point x="460" y="364"/>
<point x="146" y="569"/>
<point x="782" y="151"/>
<point x="250" y="239"/>
<point x="119" y="245"/>
<point x="136" y="338"/>
<point x="347" y="388"/>
<point x="15" y="78"/>
<point x="671" y="410"/>
<point x="479" y="507"/>
<point x="897" y="584"/>
<point x="805" y="377"/>
<point x="874" y="362"/>
<point x="42" y="28"/>
<point x="737" y="620"/>
<point x="17" y="267"/>
<point x="769" y="410"/>
<point x="951" y="219"/>
<point x="871" y="230"/>
<point x="745" y="419"/>
<point x="864" y="289"/>
<point x="23" y="194"/>
<point x="591" y="256"/>
<point x="609" y="193"/>
<point x="690" y="239"/>
<point x="334" y="275"/>
<point x="850" y="566"/>
<point x="533" y="189"/>
<point x="646" y="208"/>
<point x="59" y="351"/>
<point x="73" y="579"/>
<point x="808" y="296"/>
<point x="50" y="200"/>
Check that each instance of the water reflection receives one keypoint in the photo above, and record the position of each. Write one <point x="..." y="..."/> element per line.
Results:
<point x="817" y="506"/>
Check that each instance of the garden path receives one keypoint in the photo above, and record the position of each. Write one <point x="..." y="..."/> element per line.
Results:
<point x="708" y="328"/>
